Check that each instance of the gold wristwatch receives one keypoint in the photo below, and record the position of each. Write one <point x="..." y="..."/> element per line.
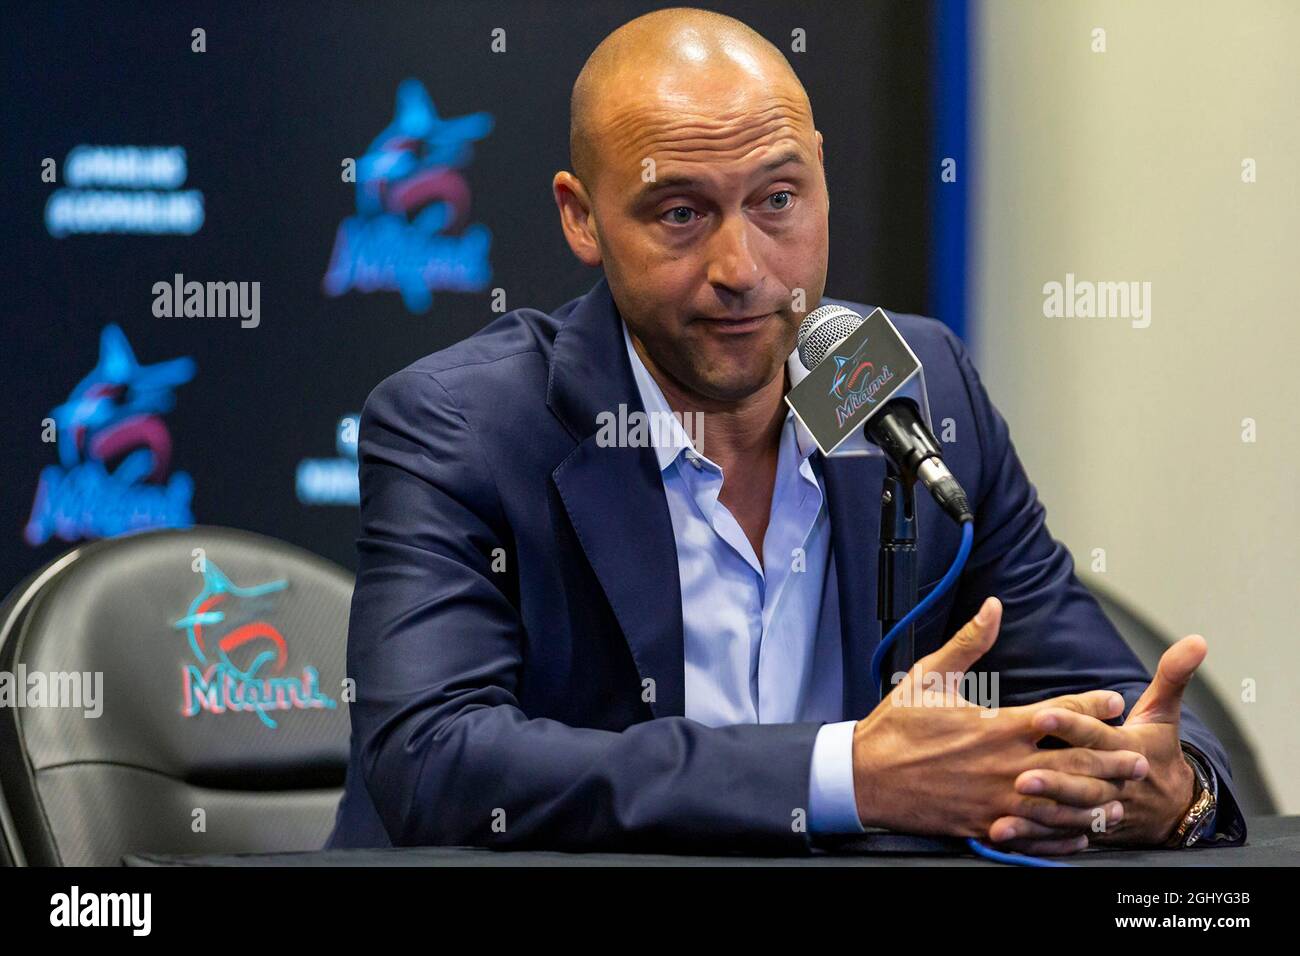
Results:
<point x="1194" y="823"/>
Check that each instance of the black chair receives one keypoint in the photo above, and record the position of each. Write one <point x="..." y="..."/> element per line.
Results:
<point x="222" y="722"/>
<point x="1247" y="782"/>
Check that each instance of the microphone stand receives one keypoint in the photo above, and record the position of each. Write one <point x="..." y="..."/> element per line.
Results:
<point x="895" y="596"/>
<point x="896" y="584"/>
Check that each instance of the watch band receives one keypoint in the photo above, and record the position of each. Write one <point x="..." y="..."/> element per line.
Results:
<point x="1200" y="815"/>
<point x="1209" y="823"/>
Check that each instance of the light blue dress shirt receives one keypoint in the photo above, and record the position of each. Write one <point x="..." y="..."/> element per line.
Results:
<point x="754" y="650"/>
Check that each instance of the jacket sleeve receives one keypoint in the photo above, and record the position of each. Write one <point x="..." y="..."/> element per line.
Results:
<point x="435" y="647"/>
<point x="1055" y="639"/>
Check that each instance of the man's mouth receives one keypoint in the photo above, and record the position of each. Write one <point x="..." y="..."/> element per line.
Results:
<point x="737" y="325"/>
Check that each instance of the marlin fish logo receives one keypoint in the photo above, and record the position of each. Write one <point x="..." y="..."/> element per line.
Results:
<point x="116" y="408"/>
<point x="411" y="231"/>
<point x="851" y="374"/>
<point x="114" y="451"/>
<point x="230" y="673"/>
<point x="203" y="611"/>
<point x="413" y="163"/>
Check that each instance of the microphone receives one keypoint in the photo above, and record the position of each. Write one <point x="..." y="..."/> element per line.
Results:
<point x="870" y="363"/>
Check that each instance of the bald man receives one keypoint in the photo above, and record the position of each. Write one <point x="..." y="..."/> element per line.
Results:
<point x="578" y="628"/>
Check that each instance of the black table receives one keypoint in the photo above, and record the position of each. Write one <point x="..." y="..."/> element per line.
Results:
<point x="1272" y="841"/>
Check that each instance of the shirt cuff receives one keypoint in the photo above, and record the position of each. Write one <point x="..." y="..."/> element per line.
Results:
<point x="832" y="805"/>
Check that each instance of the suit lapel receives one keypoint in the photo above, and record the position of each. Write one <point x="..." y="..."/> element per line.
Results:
<point x="615" y="501"/>
<point x="615" y="497"/>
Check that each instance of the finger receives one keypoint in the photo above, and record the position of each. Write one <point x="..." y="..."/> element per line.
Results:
<point x="1081" y="730"/>
<point x="1101" y="704"/>
<point x="969" y="644"/>
<point x="1069" y="788"/>
<point x="1008" y="829"/>
<point x="1059" y="815"/>
<point x="1161" y="702"/>
<point x="1101" y="764"/>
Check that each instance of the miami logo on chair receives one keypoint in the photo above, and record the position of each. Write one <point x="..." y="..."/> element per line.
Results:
<point x="241" y="657"/>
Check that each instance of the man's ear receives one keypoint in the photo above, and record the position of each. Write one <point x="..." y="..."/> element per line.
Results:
<point x="576" y="217"/>
<point x="821" y="159"/>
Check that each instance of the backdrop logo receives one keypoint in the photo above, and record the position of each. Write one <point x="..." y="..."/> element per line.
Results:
<point x="114" y="452"/>
<point x="409" y="232"/>
<point x="332" y="481"/>
<point x="241" y="657"/>
<point x="856" y="383"/>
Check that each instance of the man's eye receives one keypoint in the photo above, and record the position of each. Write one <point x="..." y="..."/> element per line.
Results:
<point x="690" y="213"/>
<point x="786" y="193"/>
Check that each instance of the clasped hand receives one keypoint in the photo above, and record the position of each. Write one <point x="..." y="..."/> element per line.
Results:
<point x="928" y="761"/>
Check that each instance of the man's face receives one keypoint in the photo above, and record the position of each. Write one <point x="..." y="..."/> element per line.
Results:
<point x="709" y="223"/>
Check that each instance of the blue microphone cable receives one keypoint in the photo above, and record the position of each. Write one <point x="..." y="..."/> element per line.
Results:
<point x="877" y="661"/>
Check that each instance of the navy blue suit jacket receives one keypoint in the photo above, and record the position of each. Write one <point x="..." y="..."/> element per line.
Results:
<point x="516" y="629"/>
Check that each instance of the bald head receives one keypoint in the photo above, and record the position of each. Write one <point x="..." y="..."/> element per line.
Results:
<point x="698" y="186"/>
<point x="680" y="56"/>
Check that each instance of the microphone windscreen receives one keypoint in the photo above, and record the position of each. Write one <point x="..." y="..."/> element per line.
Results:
<point x="823" y="329"/>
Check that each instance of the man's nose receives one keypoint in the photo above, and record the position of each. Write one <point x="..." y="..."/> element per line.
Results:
<point x="732" y="264"/>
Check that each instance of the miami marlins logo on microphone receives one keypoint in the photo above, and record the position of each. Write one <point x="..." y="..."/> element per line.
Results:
<point x="851" y="373"/>
<point x="856" y="382"/>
